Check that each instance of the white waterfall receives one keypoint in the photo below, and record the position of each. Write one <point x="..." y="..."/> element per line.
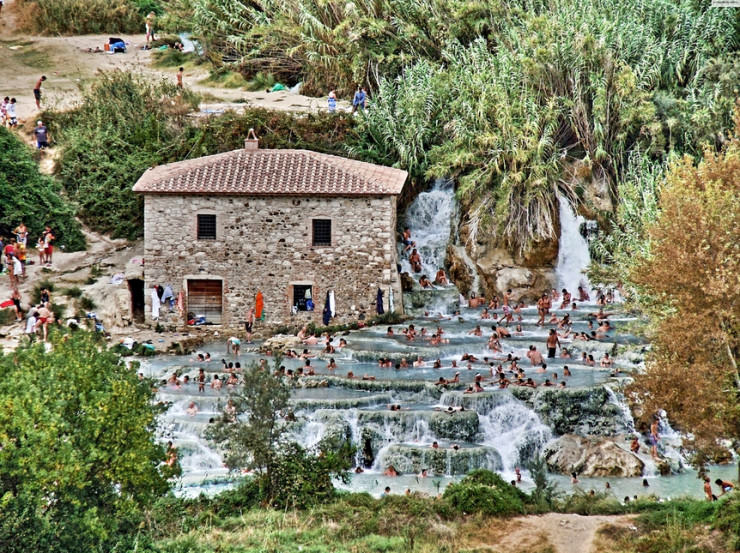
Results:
<point x="429" y="218"/>
<point x="573" y="254"/>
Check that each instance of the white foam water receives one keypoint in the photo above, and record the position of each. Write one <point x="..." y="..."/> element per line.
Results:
<point x="573" y="255"/>
<point x="429" y="218"/>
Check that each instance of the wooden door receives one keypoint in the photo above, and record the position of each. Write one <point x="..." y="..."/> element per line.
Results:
<point x="205" y="299"/>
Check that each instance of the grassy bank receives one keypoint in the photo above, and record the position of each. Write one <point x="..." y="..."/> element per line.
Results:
<point x="413" y="523"/>
<point x="81" y="17"/>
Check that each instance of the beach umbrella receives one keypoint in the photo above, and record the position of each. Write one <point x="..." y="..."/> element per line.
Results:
<point x="327" y="310"/>
<point x="379" y="302"/>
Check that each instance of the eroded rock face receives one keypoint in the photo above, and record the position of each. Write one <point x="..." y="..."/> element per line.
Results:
<point x="584" y="411"/>
<point x="591" y="457"/>
<point x="528" y="274"/>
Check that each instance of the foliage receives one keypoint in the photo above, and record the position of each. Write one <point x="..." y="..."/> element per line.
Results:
<point x="130" y="131"/>
<point x="252" y="437"/>
<point x="79" y="460"/>
<point x="30" y="197"/>
<point x="485" y="492"/>
<point x="545" y="493"/>
<point x="144" y="124"/>
<point x="688" y="283"/>
<point x="638" y="190"/>
<point x="81" y="17"/>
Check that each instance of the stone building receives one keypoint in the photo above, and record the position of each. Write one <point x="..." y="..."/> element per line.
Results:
<point x="293" y="224"/>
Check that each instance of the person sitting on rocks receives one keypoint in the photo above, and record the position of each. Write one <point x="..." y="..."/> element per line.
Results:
<point x="606" y="361"/>
<point x="424" y="282"/>
<point x="441" y="278"/>
<point x="475" y="301"/>
<point x="390" y="471"/>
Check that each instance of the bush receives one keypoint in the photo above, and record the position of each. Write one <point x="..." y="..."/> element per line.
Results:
<point x="484" y="492"/>
<point x="87" y="303"/>
<point x="28" y="196"/>
<point x="72" y="292"/>
<point x="144" y="124"/>
<point x="81" y="17"/>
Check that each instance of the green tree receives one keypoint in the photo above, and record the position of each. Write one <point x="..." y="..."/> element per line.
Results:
<point x="78" y="456"/>
<point x="252" y="435"/>
<point x="27" y="195"/>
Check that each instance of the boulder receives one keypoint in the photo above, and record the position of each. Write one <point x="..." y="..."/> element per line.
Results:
<point x="458" y="271"/>
<point x="281" y="342"/>
<point x="591" y="457"/>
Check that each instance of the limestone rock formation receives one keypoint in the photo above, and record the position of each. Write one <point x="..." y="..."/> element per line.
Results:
<point x="591" y="457"/>
<point x="281" y="342"/>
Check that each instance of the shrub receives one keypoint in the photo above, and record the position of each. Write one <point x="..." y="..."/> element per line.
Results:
<point x="80" y="17"/>
<point x="485" y="492"/>
<point x="72" y="292"/>
<point x="87" y="303"/>
<point x="28" y="196"/>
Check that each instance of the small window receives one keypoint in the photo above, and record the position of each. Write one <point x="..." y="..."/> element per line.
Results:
<point x="302" y="297"/>
<point x="206" y="227"/>
<point x="322" y="232"/>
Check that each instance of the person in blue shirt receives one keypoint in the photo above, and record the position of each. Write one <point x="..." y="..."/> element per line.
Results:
<point x="332" y="101"/>
<point x="358" y="102"/>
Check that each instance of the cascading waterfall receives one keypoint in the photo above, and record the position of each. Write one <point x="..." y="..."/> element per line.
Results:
<point x="573" y="254"/>
<point x="429" y="218"/>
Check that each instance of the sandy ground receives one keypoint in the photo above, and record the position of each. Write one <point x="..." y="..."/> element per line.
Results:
<point x="67" y="64"/>
<point x="561" y="533"/>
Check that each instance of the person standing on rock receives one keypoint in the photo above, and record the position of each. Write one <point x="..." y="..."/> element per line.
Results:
<point x="37" y="91"/>
<point x="332" y="101"/>
<point x="179" y="77"/>
<point x="553" y="342"/>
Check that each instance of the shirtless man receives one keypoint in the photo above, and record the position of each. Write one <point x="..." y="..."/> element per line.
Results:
<point x="415" y="260"/>
<point x="507" y="297"/>
<point x="45" y="317"/>
<point x="541" y="310"/>
<point x="476" y="331"/>
<point x="502" y="332"/>
<point x="474" y="301"/>
<point x="725" y="485"/>
<point x="582" y="294"/>
<point x="534" y="356"/>
<point x="249" y="323"/>
<point x="708" y="489"/>
<point x="553" y="342"/>
<point x="566" y="299"/>
<point x="406" y="239"/>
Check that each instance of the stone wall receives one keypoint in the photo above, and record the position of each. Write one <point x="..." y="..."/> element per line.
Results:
<point x="265" y="243"/>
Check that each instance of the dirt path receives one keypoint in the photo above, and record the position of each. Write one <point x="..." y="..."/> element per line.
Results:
<point x="563" y="533"/>
<point x="67" y="64"/>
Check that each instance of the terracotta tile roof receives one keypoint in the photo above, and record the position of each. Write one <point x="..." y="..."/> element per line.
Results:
<point x="272" y="172"/>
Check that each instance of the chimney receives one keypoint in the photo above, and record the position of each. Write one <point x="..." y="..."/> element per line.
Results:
<point x="251" y="142"/>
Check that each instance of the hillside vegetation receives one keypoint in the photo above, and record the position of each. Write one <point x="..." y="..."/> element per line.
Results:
<point x="502" y="96"/>
<point x="30" y="197"/>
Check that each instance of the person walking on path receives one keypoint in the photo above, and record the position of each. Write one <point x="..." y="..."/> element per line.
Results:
<point x="179" y="77"/>
<point x="37" y="91"/>
<point x="42" y="136"/>
<point x="358" y="102"/>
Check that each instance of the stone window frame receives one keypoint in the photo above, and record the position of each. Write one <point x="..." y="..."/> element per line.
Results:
<point x="291" y="291"/>
<point x="219" y="225"/>
<point x="310" y="230"/>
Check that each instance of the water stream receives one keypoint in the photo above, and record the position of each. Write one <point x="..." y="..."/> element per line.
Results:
<point x="499" y="429"/>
